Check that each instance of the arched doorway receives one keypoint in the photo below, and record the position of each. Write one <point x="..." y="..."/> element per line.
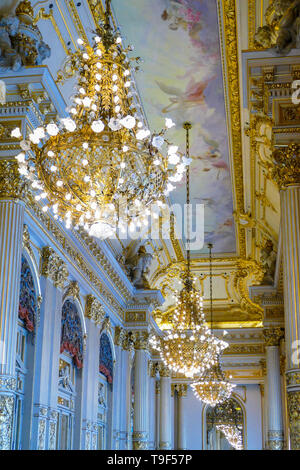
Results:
<point x="224" y="426"/>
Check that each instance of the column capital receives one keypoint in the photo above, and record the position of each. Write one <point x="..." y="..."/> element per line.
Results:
<point x="286" y="166"/>
<point x="53" y="267"/>
<point x="12" y="185"/>
<point x="180" y="388"/>
<point x="272" y="336"/>
<point x="164" y="371"/>
<point x="94" y="310"/>
<point x="141" y="340"/>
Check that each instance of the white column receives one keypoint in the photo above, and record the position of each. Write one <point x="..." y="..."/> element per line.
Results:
<point x="141" y="403"/>
<point x="286" y="173"/>
<point x="152" y="409"/>
<point x="157" y="413"/>
<point x="165" y="409"/>
<point x="275" y="418"/>
<point x="117" y="388"/>
<point x="11" y="231"/>
<point x="181" y="425"/>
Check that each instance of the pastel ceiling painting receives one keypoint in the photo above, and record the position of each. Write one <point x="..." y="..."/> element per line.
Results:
<point x="181" y="78"/>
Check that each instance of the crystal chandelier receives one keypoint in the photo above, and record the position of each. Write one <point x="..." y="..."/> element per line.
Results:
<point x="212" y="387"/>
<point x="188" y="347"/>
<point x="101" y="168"/>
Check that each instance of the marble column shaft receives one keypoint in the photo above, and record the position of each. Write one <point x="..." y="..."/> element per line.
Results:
<point x="11" y="232"/>
<point x="165" y="411"/>
<point x="141" y="403"/>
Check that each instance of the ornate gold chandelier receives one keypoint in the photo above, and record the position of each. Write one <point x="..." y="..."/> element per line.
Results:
<point x="212" y="387"/>
<point x="189" y="347"/>
<point x="100" y="168"/>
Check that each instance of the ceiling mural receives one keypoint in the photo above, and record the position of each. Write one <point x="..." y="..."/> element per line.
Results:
<point x="181" y="78"/>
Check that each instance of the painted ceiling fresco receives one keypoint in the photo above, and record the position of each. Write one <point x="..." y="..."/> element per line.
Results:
<point x="181" y="77"/>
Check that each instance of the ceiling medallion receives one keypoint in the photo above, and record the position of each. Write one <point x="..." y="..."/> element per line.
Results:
<point x="101" y="168"/>
<point x="212" y="387"/>
<point x="188" y="347"/>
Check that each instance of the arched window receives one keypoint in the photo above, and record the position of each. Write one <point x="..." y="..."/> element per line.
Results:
<point x="225" y="426"/>
<point x="27" y="319"/>
<point x="69" y="382"/>
<point x="106" y="367"/>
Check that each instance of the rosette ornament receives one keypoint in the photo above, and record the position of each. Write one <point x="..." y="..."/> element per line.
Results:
<point x="101" y="168"/>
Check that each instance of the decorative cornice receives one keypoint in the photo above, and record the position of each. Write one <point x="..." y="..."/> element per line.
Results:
<point x="273" y="336"/>
<point x="53" y="267"/>
<point x="286" y="169"/>
<point x="94" y="310"/>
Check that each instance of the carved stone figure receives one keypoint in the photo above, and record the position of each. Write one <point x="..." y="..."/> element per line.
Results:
<point x="65" y="378"/>
<point x="268" y="259"/>
<point x="101" y="396"/>
<point x="282" y="29"/>
<point x="139" y="267"/>
<point x="20" y="40"/>
<point x="9" y="57"/>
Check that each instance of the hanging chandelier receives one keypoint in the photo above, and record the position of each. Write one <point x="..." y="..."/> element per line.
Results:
<point x="101" y="168"/>
<point x="188" y="347"/>
<point x="212" y="387"/>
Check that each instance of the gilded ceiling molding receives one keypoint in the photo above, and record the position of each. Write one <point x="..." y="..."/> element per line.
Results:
<point x="53" y="267"/>
<point x="248" y="271"/>
<point x="251" y="22"/>
<point x="76" y="20"/>
<point x="232" y="66"/>
<point x="41" y="15"/>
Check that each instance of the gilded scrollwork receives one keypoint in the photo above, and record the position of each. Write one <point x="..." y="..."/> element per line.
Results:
<point x="294" y="418"/>
<point x="12" y="184"/>
<point x="94" y="310"/>
<point x="273" y="336"/>
<point x="53" y="266"/>
<point x="286" y="169"/>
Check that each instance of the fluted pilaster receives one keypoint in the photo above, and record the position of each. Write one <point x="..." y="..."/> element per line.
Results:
<point x="165" y="409"/>
<point x="140" y="435"/>
<point x="286" y="173"/>
<point x="11" y="232"/>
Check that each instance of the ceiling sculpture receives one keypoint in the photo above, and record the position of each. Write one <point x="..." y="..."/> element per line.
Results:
<point x="181" y="77"/>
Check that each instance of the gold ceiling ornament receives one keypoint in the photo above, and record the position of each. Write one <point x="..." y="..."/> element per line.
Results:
<point x="188" y="347"/>
<point x="101" y="168"/>
<point x="212" y="387"/>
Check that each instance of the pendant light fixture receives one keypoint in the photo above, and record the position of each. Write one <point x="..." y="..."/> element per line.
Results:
<point x="188" y="347"/>
<point x="212" y="387"/>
